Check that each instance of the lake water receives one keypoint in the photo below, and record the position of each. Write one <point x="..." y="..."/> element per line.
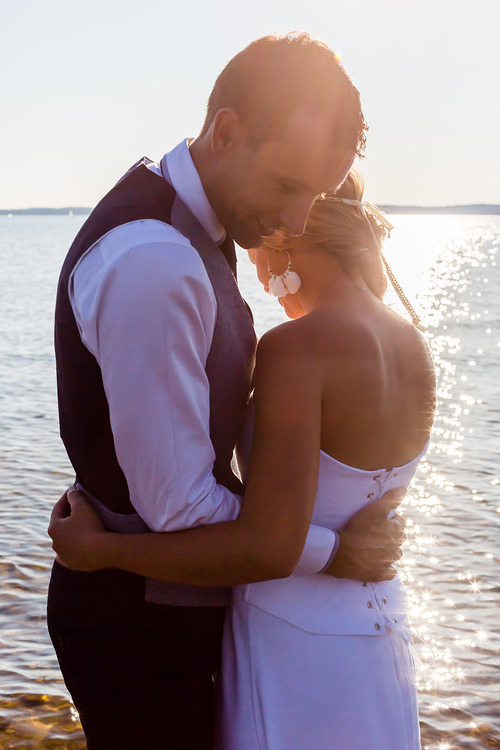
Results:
<point x="450" y="266"/>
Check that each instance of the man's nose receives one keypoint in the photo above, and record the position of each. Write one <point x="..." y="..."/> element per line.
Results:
<point x="294" y="215"/>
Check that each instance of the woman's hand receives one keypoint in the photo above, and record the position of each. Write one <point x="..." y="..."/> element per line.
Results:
<point x="78" y="536"/>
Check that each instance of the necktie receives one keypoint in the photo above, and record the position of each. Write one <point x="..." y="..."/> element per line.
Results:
<point x="228" y="251"/>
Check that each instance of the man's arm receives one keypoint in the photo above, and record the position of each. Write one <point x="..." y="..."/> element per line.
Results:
<point x="146" y="310"/>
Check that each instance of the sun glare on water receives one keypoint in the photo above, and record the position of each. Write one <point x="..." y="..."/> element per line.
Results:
<point x="447" y="267"/>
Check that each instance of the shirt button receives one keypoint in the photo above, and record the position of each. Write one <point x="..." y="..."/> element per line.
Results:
<point x="364" y="584"/>
<point x="369" y="605"/>
<point x="384" y="600"/>
<point x="394" y="620"/>
<point x="377" y="626"/>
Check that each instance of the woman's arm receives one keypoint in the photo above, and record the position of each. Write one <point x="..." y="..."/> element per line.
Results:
<point x="267" y="538"/>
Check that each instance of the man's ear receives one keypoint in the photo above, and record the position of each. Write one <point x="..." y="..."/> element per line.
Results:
<point x="252" y="252"/>
<point x="226" y="132"/>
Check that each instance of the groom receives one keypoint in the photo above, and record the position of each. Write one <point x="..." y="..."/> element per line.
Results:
<point x="154" y="350"/>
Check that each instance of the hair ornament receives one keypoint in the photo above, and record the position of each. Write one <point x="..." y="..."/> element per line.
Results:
<point x="369" y="208"/>
<point x="285" y="283"/>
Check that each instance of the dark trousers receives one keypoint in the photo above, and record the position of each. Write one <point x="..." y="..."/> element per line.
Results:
<point x="140" y="674"/>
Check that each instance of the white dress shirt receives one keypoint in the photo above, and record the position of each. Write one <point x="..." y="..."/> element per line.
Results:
<point x="146" y="310"/>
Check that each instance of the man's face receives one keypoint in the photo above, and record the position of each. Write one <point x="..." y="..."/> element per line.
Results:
<point x="274" y="186"/>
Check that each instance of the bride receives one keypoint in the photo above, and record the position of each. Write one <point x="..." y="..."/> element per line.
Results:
<point x="344" y="397"/>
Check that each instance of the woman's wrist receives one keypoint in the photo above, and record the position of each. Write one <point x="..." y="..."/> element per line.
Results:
<point x="102" y="545"/>
<point x="112" y="548"/>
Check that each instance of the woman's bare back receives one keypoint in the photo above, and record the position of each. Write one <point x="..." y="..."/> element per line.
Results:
<point x="378" y="383"/>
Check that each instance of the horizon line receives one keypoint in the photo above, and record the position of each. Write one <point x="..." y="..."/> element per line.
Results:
<point x="473" y="208"/>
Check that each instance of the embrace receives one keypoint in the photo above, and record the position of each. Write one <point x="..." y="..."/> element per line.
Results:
<point x="270" y="615"/>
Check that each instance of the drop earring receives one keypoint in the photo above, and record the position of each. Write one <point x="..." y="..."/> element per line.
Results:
<point x="285" y="283"/>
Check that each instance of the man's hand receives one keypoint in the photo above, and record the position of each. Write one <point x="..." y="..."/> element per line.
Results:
<point x="78" y="536"/>
<point x="371" y="542"/>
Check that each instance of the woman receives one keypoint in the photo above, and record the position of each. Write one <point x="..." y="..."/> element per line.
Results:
<point x="343" y="389"/>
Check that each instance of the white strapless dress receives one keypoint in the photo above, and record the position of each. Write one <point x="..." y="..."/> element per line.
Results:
<point x="312" y="662"/>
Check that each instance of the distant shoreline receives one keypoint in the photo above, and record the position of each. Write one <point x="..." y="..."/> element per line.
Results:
<point x="475" y="208"/>
<point x="68" y="211"/>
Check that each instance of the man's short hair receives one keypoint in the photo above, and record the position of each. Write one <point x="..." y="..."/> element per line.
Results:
<point x="277" y="74"/>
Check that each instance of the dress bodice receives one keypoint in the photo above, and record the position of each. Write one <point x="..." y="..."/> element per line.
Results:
<point x="343" y="490"/>
<point x="321" y="603"/>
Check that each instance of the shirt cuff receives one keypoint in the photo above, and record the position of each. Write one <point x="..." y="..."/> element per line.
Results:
<point x="333" y="553"/>
<point x="319" y="551"/>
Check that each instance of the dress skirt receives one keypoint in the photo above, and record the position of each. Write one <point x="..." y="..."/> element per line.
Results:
<point x="312" y="662"/>
<point x="283" y="688"/>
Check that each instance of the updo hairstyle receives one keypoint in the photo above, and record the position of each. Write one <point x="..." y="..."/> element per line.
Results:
<point x="342" y="229"/>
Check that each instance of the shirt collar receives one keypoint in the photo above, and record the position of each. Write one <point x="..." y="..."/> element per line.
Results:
<point x="186" y="181"/>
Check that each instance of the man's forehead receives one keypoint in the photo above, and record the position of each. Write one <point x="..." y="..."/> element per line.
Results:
<point x="308" y="153"/>
<point x="311" y="168"/>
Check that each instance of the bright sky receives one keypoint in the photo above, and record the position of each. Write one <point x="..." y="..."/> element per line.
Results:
<point x="89" y="87"/>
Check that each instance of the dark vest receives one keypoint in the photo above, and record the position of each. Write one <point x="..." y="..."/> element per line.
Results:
<point x="83" y="408"/>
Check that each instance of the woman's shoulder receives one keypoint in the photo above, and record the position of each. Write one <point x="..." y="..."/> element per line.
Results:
<point x="292" y="339"/>
<point x="315" y="335"/>
<point x="345" y="333"/>
<point x="291" y="352"/>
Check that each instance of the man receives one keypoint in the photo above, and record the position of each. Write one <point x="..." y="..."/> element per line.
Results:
<point x="154" y="351"/>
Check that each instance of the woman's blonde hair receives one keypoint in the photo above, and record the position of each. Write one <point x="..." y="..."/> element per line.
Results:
<point x="343" y="230"/>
